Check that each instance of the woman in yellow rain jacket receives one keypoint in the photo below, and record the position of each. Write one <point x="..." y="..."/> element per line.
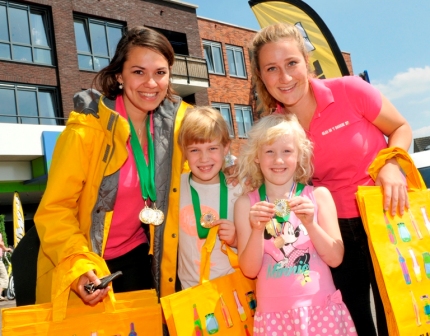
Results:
<point x="88" y="220"/>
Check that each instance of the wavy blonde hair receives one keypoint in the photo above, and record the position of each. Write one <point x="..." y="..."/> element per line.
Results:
<point x="272" y="33"/>
<point x="266" y="131"/>
<point x="202" y="124"/>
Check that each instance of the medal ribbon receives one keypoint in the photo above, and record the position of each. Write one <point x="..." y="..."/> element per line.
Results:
<point x="145" y="170"/>
<point x="263" y="197"/>
<point x="223" y="205"/>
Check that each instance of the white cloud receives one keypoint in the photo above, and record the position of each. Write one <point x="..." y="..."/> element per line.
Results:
<point x="416" y="81"/>
<point x="421" y="132"/>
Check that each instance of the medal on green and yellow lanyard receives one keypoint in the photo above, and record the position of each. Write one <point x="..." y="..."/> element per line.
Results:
<point x="205" y="221"/>
<point x="282" y="212"/>
<point x="146" y="173"/>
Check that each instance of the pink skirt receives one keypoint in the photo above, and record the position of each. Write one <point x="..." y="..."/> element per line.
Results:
<point x="333" y="319"/>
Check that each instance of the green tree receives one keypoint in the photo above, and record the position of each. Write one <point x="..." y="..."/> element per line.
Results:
<point x="3" y="230"/>
<point x="3" y="233"/>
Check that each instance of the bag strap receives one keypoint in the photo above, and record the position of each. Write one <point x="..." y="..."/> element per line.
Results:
<point x="413" y="176"/>
<point x="208" y="246"/>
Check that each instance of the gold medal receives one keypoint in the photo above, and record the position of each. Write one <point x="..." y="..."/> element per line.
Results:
<point x="279" y="242"/>
<point x="147" y="215"/>
<point x="207" y="219"/>
<point x="158" y="216"/>
<point x="272" y="227"/>
<point x="282" y="208"/>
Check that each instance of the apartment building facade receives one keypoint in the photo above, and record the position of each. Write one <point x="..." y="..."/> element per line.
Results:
<point x="49" y="50"/>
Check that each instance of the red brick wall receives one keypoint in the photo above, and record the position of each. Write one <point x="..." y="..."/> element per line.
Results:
<point x="226" y="89"/>
<point x="66" y="74"/>
<point x="347" y="58"/>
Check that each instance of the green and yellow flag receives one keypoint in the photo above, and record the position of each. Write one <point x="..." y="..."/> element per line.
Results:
<point x="325" y="55"/>
<point x="18" y="220"/>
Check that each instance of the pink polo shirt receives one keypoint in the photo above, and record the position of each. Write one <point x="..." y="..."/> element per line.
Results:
<point x="345" y="140"/>
<point x="126" y="231"/>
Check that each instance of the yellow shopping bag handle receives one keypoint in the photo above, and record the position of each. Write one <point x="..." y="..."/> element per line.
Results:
<point x="208" y="246"/>
<point x="413" y="176"/>
<point x="66" y="272"/>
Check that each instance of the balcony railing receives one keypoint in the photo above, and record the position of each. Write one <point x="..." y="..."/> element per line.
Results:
<point x="191" y="68"/>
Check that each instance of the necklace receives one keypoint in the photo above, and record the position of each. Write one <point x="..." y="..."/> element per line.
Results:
<point x="140" y="130"/>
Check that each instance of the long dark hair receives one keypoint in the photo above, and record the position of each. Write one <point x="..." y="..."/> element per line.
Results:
<point x="138" y="36"/>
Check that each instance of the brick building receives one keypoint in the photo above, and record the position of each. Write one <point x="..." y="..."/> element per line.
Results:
<point x="49" y="50"/>
<point x="230" y="88"/>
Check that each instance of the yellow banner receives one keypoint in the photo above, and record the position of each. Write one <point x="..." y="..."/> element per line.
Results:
<point x="325" y="56"/>
<point x="18" y="219"/>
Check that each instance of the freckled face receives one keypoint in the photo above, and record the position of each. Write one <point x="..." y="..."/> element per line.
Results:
<point x="283" y="70"/>
<point x="145" y="77"/>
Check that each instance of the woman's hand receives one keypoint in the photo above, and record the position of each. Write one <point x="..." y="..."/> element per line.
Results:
<point x="394" y="185"/>
<point x="260" y="214"/>
<point x="303" y="208"/>
<point x="227" y="231"/>
<point x="97" y="296"/>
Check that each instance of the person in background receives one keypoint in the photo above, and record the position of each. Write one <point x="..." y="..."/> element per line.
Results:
<point x="349" y="122"/>
<point x="111" y="176"/>
<point x="4" y="278"/>
<point x="205" y="141"/>
<point x="291" y="235"/>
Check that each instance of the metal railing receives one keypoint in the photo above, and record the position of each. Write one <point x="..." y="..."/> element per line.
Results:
<point x="190" y="68"/>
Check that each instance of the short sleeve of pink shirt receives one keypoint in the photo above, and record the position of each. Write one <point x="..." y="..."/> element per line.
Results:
<point x="345" y="140"/>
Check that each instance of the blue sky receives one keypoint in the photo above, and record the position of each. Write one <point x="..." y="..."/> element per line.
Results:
<point x="387" y="38"/>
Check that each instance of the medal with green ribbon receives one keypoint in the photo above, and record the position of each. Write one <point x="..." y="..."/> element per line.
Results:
<point x="275" y="226"/>
<point x="205" y="221"/>
<point x="146" y="173"/>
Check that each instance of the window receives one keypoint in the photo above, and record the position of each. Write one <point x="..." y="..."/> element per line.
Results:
<point x="213" y="56"/>
<point x="25" y="34"/>
<point x="243" y="119"/>
<point x="28" y="104"/>
<point x="226" y="113"/>
<point x="96" y="42"/>
<point x="236" y="62"/>
<point x="177" y="40"/>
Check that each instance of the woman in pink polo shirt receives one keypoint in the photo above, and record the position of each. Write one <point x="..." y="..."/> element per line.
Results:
<point x="349" y="122"/>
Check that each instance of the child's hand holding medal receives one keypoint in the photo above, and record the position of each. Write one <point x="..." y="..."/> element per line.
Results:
<point x="261" y="213"/>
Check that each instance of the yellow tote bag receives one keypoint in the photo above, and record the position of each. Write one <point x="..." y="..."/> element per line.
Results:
<point x="224" y="306"/>
<point x="112" y="317"/>
<point x="400" y="248"/>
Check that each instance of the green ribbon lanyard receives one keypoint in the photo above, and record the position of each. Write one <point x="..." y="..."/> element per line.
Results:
<point x="145" y="170"/>
<point x="263" y="197"/>
<point x="223" y="205"/>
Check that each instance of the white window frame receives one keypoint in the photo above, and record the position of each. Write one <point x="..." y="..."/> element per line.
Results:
<point x="229" y="119"/>
<point x="214" y="46"/>
<point x="240" y="110"/>
<point x="235" y="50"/>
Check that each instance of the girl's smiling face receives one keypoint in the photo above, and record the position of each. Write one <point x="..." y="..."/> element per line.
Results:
<point x="206" y="160"/>
<point x="278" y="160"/>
